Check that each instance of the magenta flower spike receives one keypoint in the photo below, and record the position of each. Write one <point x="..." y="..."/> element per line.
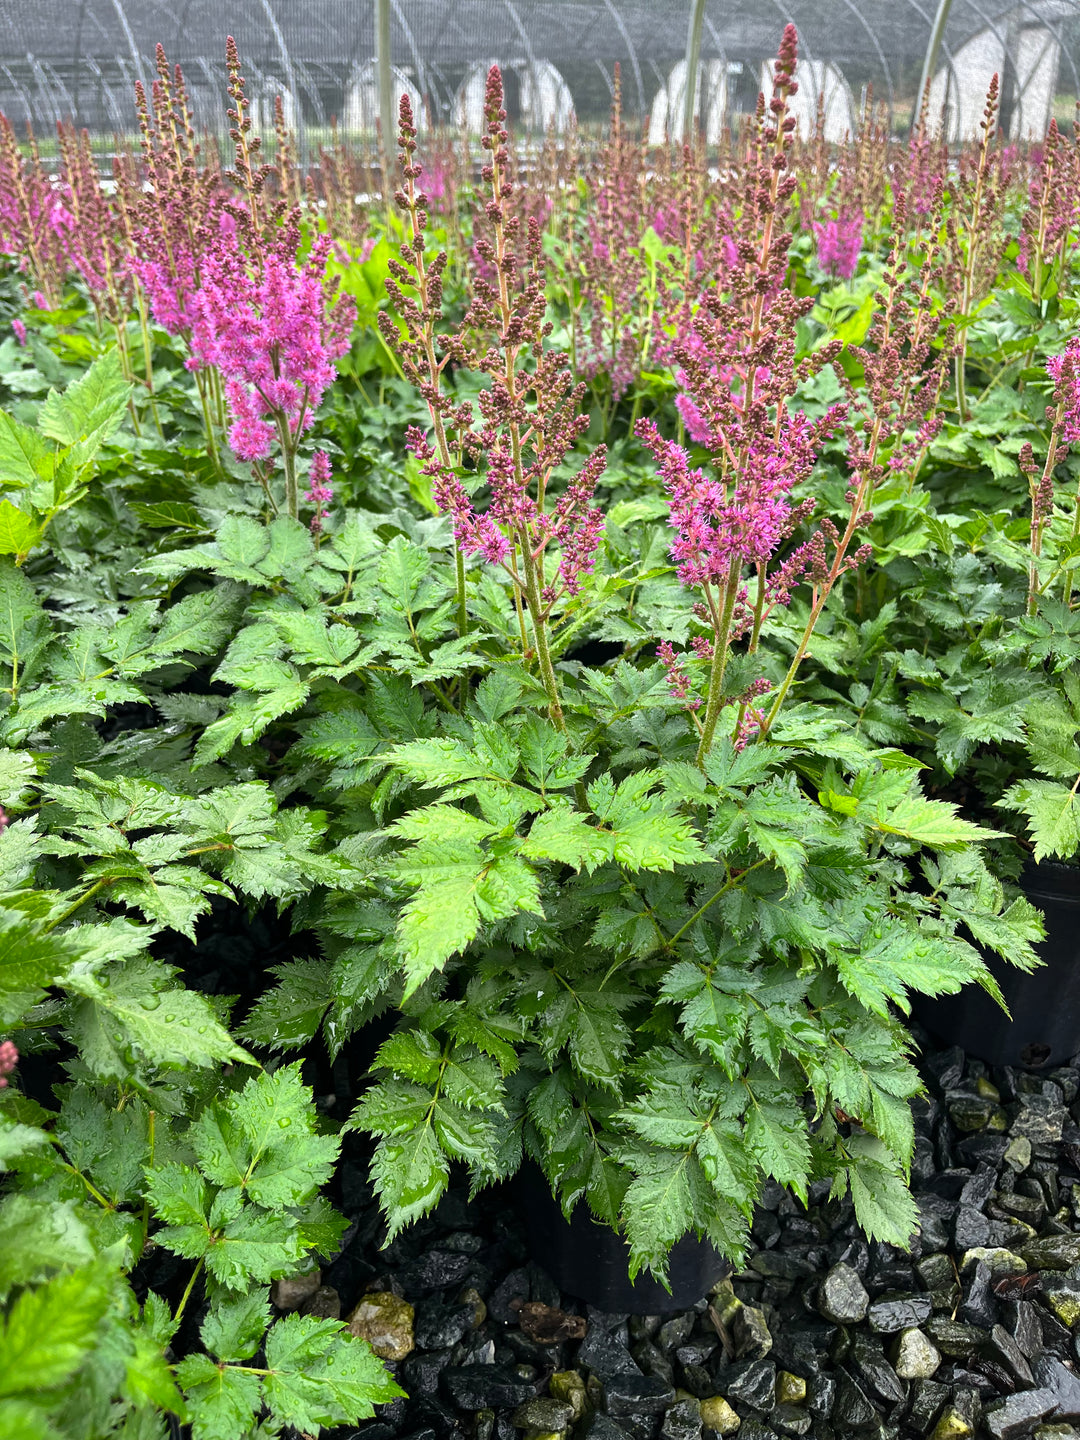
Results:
<point x="839" y="243"/>
<point x="319" y="492"/>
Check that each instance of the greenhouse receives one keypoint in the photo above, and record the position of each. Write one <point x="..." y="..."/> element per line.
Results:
<point x="539" y="720"/>
<point x="78" y="59"/>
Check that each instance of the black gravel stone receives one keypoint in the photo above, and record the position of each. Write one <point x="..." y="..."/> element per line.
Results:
<point x="934" y="1221"/>
<point x="981" y="1148"/>
<point x="980" y="1307"/>
<point x="1011" y="1355"/>
<point x="1057" y="1340"/>
<point x="978" y="1189"/>
<point x="752" y="1383"/>
<point x="1019" y="1414"/>
<point x="791" y="1420"/>
<point x="852" y="1409"/>
<point x="434" y="1270"/>
<point x="1064" y="1384"/>
<point x="698" y="1381"/>
<point x="780" y="1265"/>
<point x="1025" y="1327"/>
<point x="842" y="1296"/>
<point x="799" y="1348"/>
<point x="892" y="1312"/>
<point x="542" y="1413"/>
<point x="651" y="1360"/>
<point x="821" y="1395"/>
<point x="604" y="1355"/>
<point x="515" y="1287"/>
<point x="971" y="1228"/>
<point x="956" y="1340"/>
<point x="682" y="1422"/>
<point x="428" y="1411"/>
<point x="972" y="1112"/>
<point x="602" y="1427"/>
<point x="1040" y="1119"/>
<point x="420" y="1372"/>
<point x="946" y="1067"/>
<point x="696" y="1352"/>
<point x="1052" y="1252"/>
<point x="436" y="1325"/>
<point x="635" y="1395"/>
<point x="482" y="1387"/>
<point x="928" y="1399"/>
<point x="876" y="1373"/>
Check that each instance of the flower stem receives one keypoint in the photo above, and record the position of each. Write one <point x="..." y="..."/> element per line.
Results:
<point x="721" y="648"/>
<point x="543" y="652"/>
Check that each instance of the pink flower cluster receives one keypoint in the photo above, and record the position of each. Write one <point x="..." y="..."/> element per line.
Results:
<point x="168" y="287"/>
<point x="319" y="492"/>
<point x="838" y="245"/>
<point x="9" y="1058"/>
<point x="1064" y="370"/>
<point x="716" y="523"/>
<point x="513" y="515"/>
<point x="268" y="331"/>
<point x="678" y="680"/>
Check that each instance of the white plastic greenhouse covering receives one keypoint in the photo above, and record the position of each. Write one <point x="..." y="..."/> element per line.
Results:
<point x="78" y="59"/>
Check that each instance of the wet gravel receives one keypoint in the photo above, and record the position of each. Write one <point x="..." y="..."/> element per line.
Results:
<point x="975" y="1332"/>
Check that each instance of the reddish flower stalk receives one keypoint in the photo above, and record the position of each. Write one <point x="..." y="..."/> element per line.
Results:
<point x="977" y="251"/>
<point x="171" y="221"/>
<point x="31" y="215"/>
<point x="612" y="270"/>
<point x="738" y="362"/>
<point x="1063" y="418"/>
<point x="889" y="426"/>
<point x="529" y="413"/>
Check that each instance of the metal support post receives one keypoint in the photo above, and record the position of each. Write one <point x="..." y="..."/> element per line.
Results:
<point x="937" y="34"/>
<point x="693" y="58"/>
<point x="387" y="119"/>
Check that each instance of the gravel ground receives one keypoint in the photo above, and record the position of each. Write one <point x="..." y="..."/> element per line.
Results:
<point x="976" y="1332"/>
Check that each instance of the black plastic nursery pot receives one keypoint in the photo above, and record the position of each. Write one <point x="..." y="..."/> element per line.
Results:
<point x="591" y="1262"/>
<point x="1045" y="1005"/>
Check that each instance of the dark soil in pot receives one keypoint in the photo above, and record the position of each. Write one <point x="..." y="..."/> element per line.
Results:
<point x="1045" y="1005"/>
<point x="590" y="1262"/>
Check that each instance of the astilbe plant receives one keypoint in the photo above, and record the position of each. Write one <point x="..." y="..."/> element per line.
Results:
<point x="651" y="925"/>
<point x="529" y="412"/>
<point x="32" y="222"/>
<point x="738" y="361"/>
<point x="615" y="335"/>
<point x="660" y="961"/>
<point x="1041" y="637"/>
<point x="256" y="315"/>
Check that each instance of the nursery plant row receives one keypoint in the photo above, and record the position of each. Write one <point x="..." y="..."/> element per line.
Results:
<point x="516" y="686"/>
